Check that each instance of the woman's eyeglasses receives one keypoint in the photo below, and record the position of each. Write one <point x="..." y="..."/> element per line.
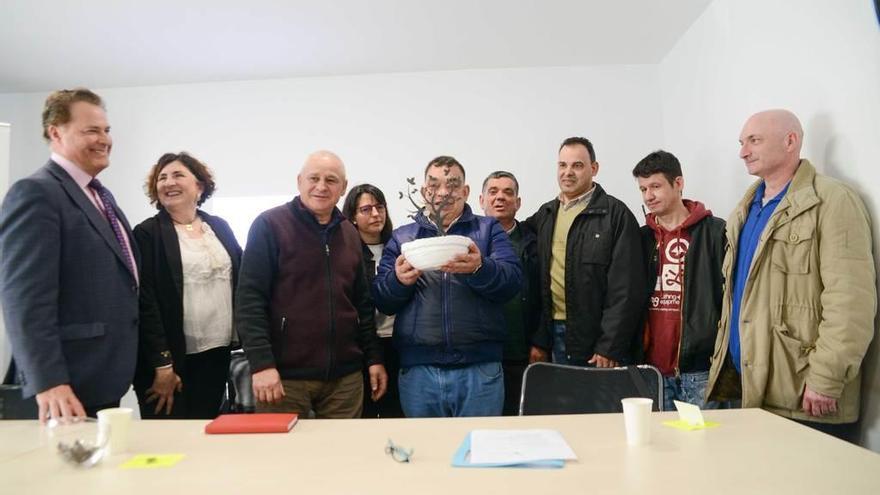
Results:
<point x="368" y="209"/>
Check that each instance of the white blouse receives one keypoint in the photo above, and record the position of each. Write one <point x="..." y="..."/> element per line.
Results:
<point x="384" y="323"/>
<point x="207" y="291"/>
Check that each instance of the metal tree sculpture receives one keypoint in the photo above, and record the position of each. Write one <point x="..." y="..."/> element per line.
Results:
<point x="427" y="197"/>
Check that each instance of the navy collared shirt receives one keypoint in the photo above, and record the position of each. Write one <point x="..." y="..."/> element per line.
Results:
<point x="759" y="215"/>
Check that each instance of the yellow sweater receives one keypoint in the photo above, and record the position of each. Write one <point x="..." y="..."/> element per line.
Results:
<point x="564" y="219"/>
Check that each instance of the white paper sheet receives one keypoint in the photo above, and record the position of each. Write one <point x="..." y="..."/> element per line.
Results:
<point x="689" y="413"/>
<point x="507" y="446"/>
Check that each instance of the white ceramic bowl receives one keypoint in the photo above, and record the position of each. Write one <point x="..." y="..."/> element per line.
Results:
<point x="433" y="252"/>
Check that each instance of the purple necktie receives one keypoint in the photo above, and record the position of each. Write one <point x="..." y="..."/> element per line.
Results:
<point x="107" y="199"/>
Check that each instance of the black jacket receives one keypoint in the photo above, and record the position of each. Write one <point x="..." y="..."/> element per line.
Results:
<point x="530" y="294"/>
<point x="303" y="304"/>
<point x="369" y="263"/>
<point x="161" y="292"/>
<point x="703" y="289"/>
<point x="604" y="279"/>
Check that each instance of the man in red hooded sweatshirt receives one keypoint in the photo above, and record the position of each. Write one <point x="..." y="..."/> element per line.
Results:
<point x="684" y="248"/>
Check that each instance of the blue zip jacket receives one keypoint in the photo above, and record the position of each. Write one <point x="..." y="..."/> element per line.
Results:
<point x="450" y="319"/>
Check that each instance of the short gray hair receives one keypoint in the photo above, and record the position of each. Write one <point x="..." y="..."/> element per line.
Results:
<point x="502" y="174"/>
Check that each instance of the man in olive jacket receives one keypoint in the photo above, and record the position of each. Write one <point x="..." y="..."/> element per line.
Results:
<point x="799" y="304"/>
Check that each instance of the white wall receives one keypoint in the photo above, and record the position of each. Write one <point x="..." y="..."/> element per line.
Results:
<point x="26" y="143"/>
<point x="820" y="59"/>
<point x="256" y="134"/>
<point x="5" y="132"/>
<point x="5" y="136"/>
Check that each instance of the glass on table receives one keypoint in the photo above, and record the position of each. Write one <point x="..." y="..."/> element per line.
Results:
<point x="77" y="441"/>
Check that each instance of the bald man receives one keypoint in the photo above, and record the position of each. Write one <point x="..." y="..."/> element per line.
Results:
<point x="303" y="307"/>
<point x="799" y="303"/>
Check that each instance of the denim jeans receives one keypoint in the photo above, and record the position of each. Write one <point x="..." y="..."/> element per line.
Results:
<point x="428" y="391"/>
<point x="687" y="387"/>
<point x="559" y="356"/>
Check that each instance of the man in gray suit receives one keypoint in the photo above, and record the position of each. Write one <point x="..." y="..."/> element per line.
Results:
<point x="68" y="276"/>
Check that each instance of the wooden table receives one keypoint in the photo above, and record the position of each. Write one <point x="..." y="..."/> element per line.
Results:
<point x="752" y="452"/>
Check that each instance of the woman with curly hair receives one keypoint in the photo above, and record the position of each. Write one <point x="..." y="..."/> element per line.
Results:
<point x="189" y="269"/>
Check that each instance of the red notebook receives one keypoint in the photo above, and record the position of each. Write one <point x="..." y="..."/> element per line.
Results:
<point x="252" y="423"/>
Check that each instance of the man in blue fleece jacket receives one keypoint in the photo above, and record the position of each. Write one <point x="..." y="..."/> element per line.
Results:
<point x="450" y="326"/>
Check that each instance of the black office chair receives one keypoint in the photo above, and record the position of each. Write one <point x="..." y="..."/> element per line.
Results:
<point x="239" y="396"/>
<point x="560" y="389"/>
<point x="12" y="405"/>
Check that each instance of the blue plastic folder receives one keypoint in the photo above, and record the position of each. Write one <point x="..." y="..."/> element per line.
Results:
<point x="463" y="455"/>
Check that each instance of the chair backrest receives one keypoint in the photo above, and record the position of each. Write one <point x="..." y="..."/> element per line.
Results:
<point x="239" y="397"/>
<point x="13" y="406"/>
<point x="560" y="389"/>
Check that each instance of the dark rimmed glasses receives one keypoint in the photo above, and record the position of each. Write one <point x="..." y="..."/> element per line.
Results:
<point x="368" y="209"/>
<point x="398" y="453"/>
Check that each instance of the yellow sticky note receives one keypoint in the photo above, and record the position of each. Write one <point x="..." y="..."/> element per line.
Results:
<point x="148" y="461"/>
<point x="684" y="425"/>
<point x="689" y="413"/>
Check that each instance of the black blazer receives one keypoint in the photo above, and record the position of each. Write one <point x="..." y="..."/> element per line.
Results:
<point x="161" y="299"/>
<point x="70" y="300"/>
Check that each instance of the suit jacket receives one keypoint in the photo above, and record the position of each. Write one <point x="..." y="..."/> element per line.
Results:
<point x="69" y="298"/>
<point x="161" y="301"/>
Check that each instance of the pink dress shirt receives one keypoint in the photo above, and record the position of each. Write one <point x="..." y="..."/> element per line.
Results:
<point x="82" y="179"/>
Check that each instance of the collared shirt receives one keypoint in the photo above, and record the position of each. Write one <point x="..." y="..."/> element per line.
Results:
<point x="82" y="179"/>
<point x="759" y="215"/>
<point x="583" y="199"/>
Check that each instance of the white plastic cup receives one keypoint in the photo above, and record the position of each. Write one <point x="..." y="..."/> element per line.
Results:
<point x="637" y="418"/>
<point x="115" y="423"/>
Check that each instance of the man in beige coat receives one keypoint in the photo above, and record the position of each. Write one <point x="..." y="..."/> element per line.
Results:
<point x="800" y="298"/>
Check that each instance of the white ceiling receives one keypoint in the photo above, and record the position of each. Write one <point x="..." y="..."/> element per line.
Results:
<point x="49" y="44"/>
